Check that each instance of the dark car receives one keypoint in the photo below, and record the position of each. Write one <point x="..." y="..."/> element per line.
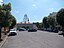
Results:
<point x="22" y="29"/>
<point x="53" y="30"/>
<point x="32" y="30"/>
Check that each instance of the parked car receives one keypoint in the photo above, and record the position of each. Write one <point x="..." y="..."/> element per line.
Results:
<point x="13" y="32"/>
<point x="22" y="29"/>
<point x="61" y="33"/>
<point x="32" y="30"/>
<point x="42" y="29"/>
<point x="53" y="30"/>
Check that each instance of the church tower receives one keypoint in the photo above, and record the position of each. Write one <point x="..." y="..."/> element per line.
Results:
<point x="26" y="19"/>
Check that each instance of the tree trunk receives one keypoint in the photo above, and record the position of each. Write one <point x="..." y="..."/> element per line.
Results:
<point x="5" y="33"/>
<point x="0" y="34"/>
<point x="8" y="30"/>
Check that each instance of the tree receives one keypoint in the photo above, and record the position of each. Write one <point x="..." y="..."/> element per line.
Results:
<point x="37" y="24"/>
<point x="45" y="22"/>
<point x="6" y="7"/>
<point x="13" y="22"/>
<point x="51" y="21"/>
<point x="40" y="25"/>
<point x="10" y="20"/>
<point x="6" y="18"/>
<point x="60" y="18"/>
<point x="1" y="19"/>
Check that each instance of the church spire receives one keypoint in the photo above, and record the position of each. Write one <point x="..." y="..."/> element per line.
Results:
<point x="25" y="19"/>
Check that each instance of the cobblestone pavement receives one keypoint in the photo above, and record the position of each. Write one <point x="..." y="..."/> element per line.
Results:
<point x="39" y="39"/>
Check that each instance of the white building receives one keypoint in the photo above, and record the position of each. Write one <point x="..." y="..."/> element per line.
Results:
<point x="26" y="24"/>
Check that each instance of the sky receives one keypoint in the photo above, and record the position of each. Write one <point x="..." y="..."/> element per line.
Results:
<point x="35" y="9"/>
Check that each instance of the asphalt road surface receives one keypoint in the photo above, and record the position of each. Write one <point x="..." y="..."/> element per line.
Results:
<point x="39" y="39"/>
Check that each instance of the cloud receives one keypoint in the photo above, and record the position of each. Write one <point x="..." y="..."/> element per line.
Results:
<point x="37" y="21"/>
<point x="1" y="1"/>
<point x="51" y="9"/>
<point x="40" y="21"/>
<point x="34" y="5"/>
<point x="16" y="11"/>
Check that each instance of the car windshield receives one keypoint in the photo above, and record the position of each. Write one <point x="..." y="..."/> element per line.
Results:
<point x="12" y="29"/>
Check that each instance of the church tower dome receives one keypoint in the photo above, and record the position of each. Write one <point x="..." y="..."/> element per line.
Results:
<point x="25" y="19"/>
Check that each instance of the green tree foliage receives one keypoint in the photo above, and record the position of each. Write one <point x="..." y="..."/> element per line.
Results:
<point x="37" y="24"/>
<point x="13" y="22"/>
<point x="60" y="17"/>
<point x="6" y="7"/>
<point x="6" y="18"/>
<point x="51" y="21"/>
<point x="40" y="25"/>
<point x="2" y="16"/>
<point x="45" y="22"/>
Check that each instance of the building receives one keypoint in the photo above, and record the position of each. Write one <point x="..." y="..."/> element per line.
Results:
<point x="26" y="24"/>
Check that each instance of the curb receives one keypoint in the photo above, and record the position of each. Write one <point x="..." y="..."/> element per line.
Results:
<point x="4" y="40"/>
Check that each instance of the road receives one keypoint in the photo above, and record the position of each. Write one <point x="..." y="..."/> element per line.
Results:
<point x="39" y="39"/>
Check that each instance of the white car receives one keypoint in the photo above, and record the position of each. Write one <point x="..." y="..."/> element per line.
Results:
<point x="60" y="32"/>
<point x="13" y="32"/>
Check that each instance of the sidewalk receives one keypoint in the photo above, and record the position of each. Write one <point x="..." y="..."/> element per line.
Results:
<point x="4" y="37"/>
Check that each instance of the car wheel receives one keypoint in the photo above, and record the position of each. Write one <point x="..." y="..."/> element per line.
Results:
<point x="12" y="34"/>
